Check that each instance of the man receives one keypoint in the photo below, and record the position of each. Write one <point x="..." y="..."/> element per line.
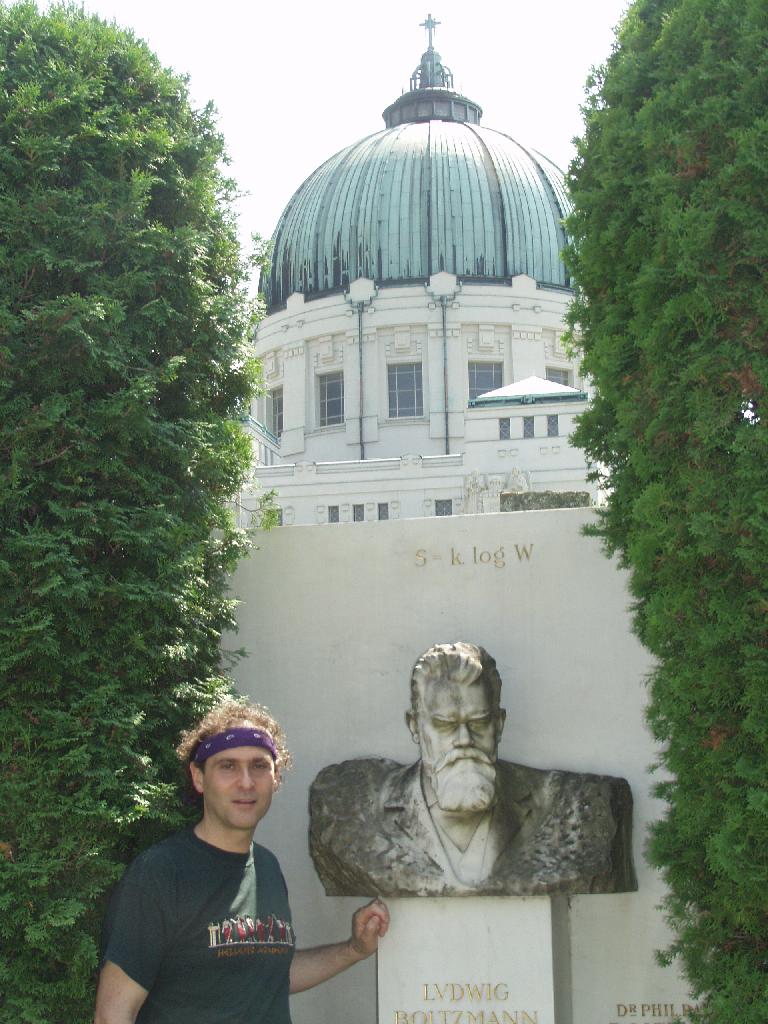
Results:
<point x="200" y="928"/>
<point x="459" y="821"/>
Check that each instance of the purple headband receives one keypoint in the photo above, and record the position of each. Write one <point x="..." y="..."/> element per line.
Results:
<point x="234" y="738"/>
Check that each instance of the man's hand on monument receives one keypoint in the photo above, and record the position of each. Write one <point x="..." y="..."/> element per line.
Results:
<point x="310" y="967"/>
<point x="369" y="924"/>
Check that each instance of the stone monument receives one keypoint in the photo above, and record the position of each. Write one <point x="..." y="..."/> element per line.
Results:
<point x="459" y="821"/>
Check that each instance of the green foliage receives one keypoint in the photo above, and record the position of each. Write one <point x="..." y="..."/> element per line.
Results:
<point x="123" y="368"/>
<point x="670" y="236"/>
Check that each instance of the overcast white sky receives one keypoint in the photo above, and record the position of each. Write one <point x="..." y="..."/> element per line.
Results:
<point x="294" y="81"/>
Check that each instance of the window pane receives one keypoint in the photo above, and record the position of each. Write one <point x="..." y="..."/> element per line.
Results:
<point x="558" y="376"/>
<point x="443" y="507"/>
<point x="504" y="433"/>
<point x="383" y="510"/>
<point x="358" y="513"/>
<point x="528" y="426"/>
<point x="331" y="399"/>
<point x="275" y="411"/>
<point x="405" y="390"/>
<point x="333" y="513"/>
<point x="484" y="377"/>
<point x="553" y="429"/>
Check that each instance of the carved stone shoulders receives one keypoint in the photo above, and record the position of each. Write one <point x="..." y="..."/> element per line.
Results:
<point x="557" y="832"/>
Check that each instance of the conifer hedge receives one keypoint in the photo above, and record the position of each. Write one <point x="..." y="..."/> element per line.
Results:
<point x="670" y="256"/>
<point x="122" y="325"/>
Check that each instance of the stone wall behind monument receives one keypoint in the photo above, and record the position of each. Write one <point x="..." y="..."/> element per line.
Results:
<point x="333" y="618"/>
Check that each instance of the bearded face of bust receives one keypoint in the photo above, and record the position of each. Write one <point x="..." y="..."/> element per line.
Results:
<point x="458" y="725"/>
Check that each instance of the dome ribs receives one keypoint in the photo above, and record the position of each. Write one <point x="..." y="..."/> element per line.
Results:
<point x="294" y="250"/>
<point x="531" y="211"/>
<point x="427" y="181"/>
<point x="483" y="206"/>
<point x="396" y="224"/>
<point x="552" y="179"/>
<point x="336" y="211"/>
<point x="440" y="196"/>
<point x="366" y="207"/>
<point x="515" y="211"/>
<point x="494" y="222"/>
<point x="418" y="198"/>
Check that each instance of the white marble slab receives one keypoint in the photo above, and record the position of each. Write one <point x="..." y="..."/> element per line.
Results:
<point x="474" y="961"/>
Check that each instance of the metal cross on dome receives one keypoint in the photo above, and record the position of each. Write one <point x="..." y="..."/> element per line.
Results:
<point x="430" y="25"/>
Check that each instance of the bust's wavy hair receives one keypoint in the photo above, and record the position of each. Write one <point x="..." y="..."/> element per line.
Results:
<point x="460" y="662"/>
<point x="229" y="714"/>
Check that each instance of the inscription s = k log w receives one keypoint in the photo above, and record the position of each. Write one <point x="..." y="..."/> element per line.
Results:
<point x="498" y="558"/>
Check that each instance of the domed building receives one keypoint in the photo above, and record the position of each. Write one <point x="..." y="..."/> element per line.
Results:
<point x="414" y="368"/>
<point x="416" y="301"/>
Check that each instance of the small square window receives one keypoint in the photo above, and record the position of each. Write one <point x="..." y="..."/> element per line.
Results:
<point x="333" y="513"/>
<point x="528" y="426"/>
<point x="484" y="377"/>
<point x="331" y="399"/>
<point x="558" y="376"/>
<point x="358" y="513"/>
<point x="275" y="411"/>
<point x="383" y="510"/>
<point x="504" y="431"/>
<point x="553" y="426"/>
<point x="443" y="507"/>
<point x="404" y="384"/>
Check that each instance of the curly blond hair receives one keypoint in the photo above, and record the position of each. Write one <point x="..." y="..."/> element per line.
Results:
<point x="227" y="715"/>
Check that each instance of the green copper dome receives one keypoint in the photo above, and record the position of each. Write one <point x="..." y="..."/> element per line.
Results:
<point x="433" y="192"/>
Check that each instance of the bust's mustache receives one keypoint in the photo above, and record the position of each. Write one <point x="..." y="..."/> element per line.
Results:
<point x="463" y="754"/>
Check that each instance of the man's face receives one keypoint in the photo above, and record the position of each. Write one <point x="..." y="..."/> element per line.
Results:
<point x="458" y="730"/>
<point x="237" y="787"/>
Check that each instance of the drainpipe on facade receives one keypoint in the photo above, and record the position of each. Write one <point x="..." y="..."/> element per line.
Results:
<point x="360" y="307"/>
<point x="435" y="290"/>
<point x="443" y="308"/>
<point x="360" y="296"/>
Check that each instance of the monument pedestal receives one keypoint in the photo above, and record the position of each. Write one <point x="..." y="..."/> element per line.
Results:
<point x="476" y="960"/>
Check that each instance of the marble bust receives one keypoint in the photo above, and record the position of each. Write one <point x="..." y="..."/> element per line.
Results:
<point x="459" y="821"/>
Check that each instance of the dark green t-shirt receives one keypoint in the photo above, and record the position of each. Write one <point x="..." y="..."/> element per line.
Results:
<point x="208" y="933"/>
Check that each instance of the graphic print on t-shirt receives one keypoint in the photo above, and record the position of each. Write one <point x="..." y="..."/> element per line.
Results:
<point x="270" y="934"/>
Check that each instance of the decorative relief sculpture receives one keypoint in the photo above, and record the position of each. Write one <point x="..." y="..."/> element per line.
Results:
<point x="518" y="480"/>
<point x="483" y="493"/>
<point x="459" y="821"/>
<point x="492" y="497"/>
<point x="474" y="484"/>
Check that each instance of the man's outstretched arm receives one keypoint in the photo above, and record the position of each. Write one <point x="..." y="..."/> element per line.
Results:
<point x="118" y="997"/>
<point x="310" y="967"/>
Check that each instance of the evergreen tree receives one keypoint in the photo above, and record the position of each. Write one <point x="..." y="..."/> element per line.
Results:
<point x="123" y="321"/>
<point x="670" y="239"/>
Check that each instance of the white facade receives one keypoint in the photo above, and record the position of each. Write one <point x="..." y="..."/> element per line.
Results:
<point x="405" y="361"/>
<point x="335" y="618"/>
